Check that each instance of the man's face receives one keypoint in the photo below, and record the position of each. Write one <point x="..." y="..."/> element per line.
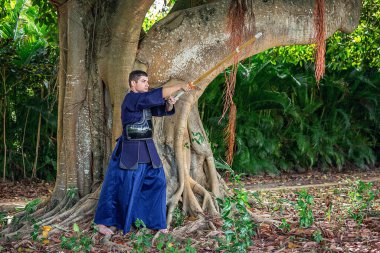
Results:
<point x="141" y="85"/>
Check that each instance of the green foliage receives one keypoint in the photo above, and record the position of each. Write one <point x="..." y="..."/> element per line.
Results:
<point x="166" y="243"/>
<point x="46" y="16"/>
<point x="178" y="217"/>
<point x="359" y="49"/>
<point x="72" y="192"/>
<point x="285" y="122"/>
<point x="3" y="219"/>
<point x="317" y="236"/>
<point x="362" y="196"/>
<point x="34" y="234"/>
<point x="28" y="56"/>
<point x="238" y="225"/>
<point x="284" y="226"/>
<point x="189" y="248"/>
<point x="156" y="13"/>
<point x="304" y="206"/>
<point x="78" y="242"/>
<point x="142" y="240"/>
<point x="197" y="137"/>
<point x="30" y="208"/>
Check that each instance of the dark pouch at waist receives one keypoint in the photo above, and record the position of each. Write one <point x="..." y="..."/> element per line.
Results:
<point x="138" y="131"/>
<point x="142" y="129"/>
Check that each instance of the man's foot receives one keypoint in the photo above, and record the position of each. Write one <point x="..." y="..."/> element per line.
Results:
<point x="164" y="231"/>
<point x="104" y="230"/>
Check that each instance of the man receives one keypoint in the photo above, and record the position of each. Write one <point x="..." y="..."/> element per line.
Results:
<point x="135" y="186"/>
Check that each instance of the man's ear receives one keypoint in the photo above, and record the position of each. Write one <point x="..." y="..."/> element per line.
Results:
<point x="133" y="83"/>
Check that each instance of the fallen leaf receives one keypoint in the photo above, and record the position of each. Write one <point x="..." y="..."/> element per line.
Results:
<point x="335" y="248"/>
<point x="56" y="240"/>
<point x="45" y="234"/>
<point x="46" y="228"/>
<point x="327" y="233"/>
<point x="292" y="245"/>
<point x="309" y="245"/>
<point x="192" y="218"/>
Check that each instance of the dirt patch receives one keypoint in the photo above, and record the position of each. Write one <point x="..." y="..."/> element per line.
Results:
<point x="17" y="194"/>
<point x="309" y="178"/>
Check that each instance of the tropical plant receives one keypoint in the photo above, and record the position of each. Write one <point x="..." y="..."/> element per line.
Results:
<point x="28" y="56"/>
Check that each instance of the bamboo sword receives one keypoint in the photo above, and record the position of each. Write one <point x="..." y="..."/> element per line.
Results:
<point x="227" y="58"/>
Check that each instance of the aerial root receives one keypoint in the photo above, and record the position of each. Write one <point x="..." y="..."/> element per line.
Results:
<point x="69" y="213"/>
<point x="78" y="210"/>
<point x="199" y="225"/>
<point x="191" y="204"/>
<point x="208" y="200"/>
<point x="66" y="204"/>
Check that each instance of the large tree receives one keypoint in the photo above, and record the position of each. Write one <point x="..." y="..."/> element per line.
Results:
<point x="102" y="41"/>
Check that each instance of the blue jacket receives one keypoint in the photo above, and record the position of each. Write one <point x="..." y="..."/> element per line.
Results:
<point x="141" y="151"/>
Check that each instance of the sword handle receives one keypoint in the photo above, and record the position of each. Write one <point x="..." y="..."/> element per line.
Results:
<point x="179" y="94"/>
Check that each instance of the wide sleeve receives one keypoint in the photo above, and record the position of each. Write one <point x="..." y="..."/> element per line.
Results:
<point x="160" y="111"/>
<point x="145" y="100"/>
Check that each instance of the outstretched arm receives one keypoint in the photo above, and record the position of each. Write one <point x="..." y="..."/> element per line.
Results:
<point x="167" y="91"/>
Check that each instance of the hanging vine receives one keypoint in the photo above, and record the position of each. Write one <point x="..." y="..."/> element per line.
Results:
<point x="320" y="40"/>
<point x="240" y="25"/>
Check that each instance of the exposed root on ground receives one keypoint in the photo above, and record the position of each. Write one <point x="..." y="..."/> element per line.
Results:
<point x="111" y="246"/>
<point x="64" y="215"/>
<point x="202" y="224"/>
<point x="208" y="201"/>
<point x="66" y="204"/>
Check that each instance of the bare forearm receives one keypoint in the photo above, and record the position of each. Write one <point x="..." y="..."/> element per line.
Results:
<point x="169" y="90"/>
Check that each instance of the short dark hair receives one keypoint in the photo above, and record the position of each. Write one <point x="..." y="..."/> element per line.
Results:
<point x="135" y="75"/>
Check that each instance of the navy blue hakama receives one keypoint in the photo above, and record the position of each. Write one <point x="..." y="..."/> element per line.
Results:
<point x="128" y="195"/>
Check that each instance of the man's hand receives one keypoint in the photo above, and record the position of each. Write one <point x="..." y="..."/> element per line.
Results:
<point x="170" y="103"/>
<point x="185" y="87"/>
<point x="171" y="100"/>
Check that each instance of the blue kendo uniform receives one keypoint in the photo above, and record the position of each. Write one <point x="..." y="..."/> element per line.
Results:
<point x="135" y="186"/>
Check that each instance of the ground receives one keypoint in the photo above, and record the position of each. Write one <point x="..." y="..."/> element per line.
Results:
<point x="18" y="194"/>
<point x="335" y="199"/>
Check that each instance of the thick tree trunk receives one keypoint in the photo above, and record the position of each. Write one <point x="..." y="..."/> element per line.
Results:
<point x="99" y="43"/>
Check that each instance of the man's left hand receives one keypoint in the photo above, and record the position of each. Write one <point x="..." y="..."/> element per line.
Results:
<point x="172" y="100"/>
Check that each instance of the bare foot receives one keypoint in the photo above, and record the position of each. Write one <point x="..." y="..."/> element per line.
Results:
<point x="164" y="231"/>
<point x="104" y="230"/>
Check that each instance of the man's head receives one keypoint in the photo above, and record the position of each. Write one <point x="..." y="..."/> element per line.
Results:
<point x="138" y="81"/>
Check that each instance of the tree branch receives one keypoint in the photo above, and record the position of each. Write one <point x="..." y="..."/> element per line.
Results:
<point x="196" y="39"/>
